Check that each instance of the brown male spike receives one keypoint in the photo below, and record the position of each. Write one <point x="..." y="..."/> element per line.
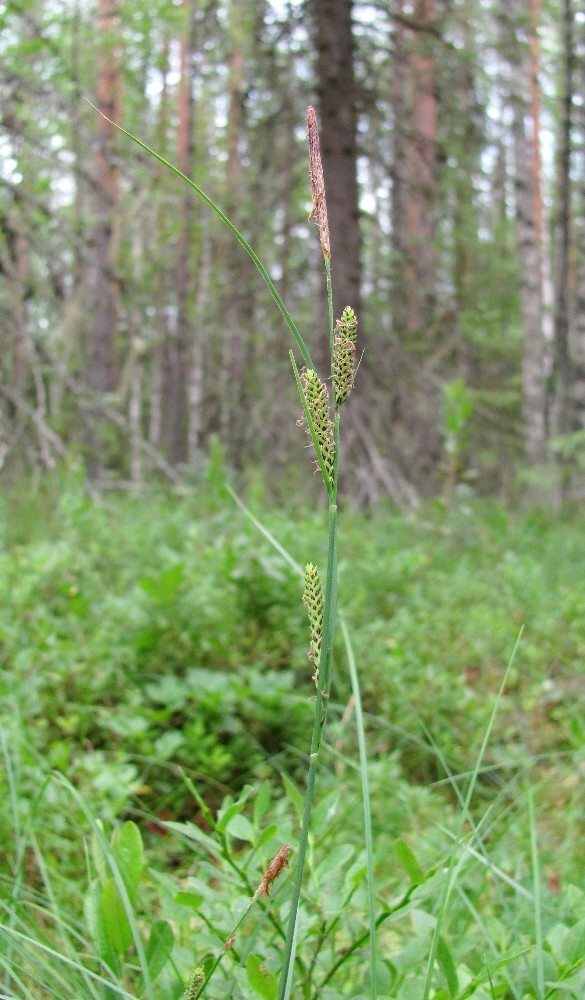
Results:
<point x="319" y="208"/>
<point x="274" y="869"/>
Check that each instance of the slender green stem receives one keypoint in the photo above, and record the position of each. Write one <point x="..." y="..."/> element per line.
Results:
<point x="330" y="597"/>
<point x="454" y="863"/>
<point x="319" y="719"/>
<point x="330" y="304"/>
<point x="360" y="727"/>
<point x="323" y="688"/>
<point x="241" y="239"/>
<point x="537" y="892"/>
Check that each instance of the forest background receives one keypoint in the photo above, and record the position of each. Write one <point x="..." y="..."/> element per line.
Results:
<point x="154" y="679"/>
<point x="134" y="330"/>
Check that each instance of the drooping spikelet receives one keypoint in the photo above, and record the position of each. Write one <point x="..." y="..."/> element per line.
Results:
<point x="319" y="208"/>
<point x="314" y="602"/>
<point x="317" y="400"/>
<point x="343" y="366"/>
<point x="195" y="983"/>
<point x="274" y="869"/>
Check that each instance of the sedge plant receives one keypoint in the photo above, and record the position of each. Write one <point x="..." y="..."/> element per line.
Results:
<point x="321" y="417"/>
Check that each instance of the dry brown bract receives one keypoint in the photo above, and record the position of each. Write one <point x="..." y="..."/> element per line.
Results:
<point x="273" y="871"/>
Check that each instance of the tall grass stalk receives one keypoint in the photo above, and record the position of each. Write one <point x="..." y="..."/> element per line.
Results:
<point x="457" y="858"/>
<point x="536" y="882"/>
<point x="365" y="785"/>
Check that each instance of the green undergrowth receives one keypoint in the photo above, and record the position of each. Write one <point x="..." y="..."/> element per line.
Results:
<point x="153" y="671"/>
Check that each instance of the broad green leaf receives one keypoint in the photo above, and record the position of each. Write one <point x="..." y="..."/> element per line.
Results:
<point x="447" y="966"/>
<point x="115" y="918"/>
<point x="129" y="850"/>
<point x="268" y="834"/>
<point x="261" y="802"/>
<point x="99" y="858"/>
<point x="191" y="832"/>
<point x="294" y="796"/>
<point x="264" y="983"/>
<point x="164" y="587"/>
<point x="94" y="919"/>
<point x="407" y="860"/>
<point x="230" y="809"/>
<point x="190" y="899"/>
<point x="241" y="828"/>
<point x="159" y="947"/>
<point x="574" y="944"/>
<point x="337" y="859"/>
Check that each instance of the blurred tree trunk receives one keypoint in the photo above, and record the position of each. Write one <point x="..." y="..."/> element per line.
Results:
<point x="21" y="290"/>
<point x="528" y="219"/>
<point x="466" y="149"/>
<point x="578" y="324"/>
<point x="236" y="331"/>
<point x="101" y="357"/>
<point x="561" y="415"/>
<point x="422" y="171"/>
<point x="159" y="354"/>
<point x="336" y="89"/>
<point x="399" y="173"/>
<point x="178" y="345"/>
<point x="414" y="100"/>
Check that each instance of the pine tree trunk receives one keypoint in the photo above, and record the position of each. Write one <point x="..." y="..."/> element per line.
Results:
<point x="578" y="324"/>
<point x="399" y="174"/>
<point x="102" y="371"/>
<point x="338" y="118"/>
<point x="533" y="390"/>
<point x="561" y="370"/>
<point x="177" y="371"/>
<point x="237" y="315"/>
<point x="528" y="212"/>
<point x="422" y="169"/>
<point x="415" y="169"/>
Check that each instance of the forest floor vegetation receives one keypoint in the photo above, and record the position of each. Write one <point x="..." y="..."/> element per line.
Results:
<point x="156" y="697"/>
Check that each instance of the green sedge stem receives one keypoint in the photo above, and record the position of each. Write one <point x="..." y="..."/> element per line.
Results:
<point x="323" y="681"/>
<point x="368" y="839"/>
<point x="319" y="718"/>
<point x="241" y="239"/>
<point x="330" y="304"/>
